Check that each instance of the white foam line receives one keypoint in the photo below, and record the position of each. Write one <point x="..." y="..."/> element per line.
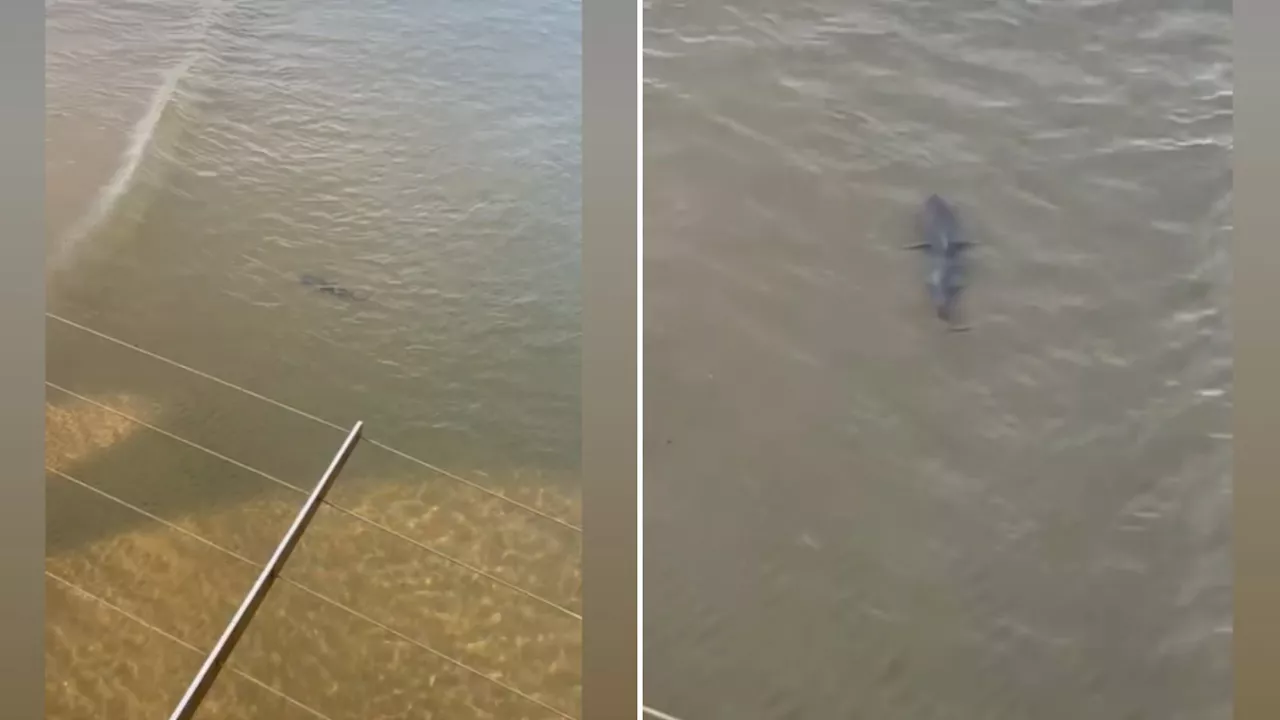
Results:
<point x="144" y="129"/>
<point x="133" y="155"/>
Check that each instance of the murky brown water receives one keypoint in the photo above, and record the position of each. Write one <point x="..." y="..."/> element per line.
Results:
<point x="852" y="513"/>
<point x="204" y="158"/>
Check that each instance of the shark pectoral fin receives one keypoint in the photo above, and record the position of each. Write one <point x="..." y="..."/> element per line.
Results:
<point x="958" y="328"/>
<point x="917" y="246"/>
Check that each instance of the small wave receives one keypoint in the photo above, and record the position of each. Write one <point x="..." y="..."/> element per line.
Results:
<point x="143" y="136"/>
<point x="140" y="139"/>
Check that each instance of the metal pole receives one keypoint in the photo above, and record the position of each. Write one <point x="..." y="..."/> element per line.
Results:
<point x="218" y="656"/>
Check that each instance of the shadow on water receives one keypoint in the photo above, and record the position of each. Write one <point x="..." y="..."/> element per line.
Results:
<point x="180" y="483"/>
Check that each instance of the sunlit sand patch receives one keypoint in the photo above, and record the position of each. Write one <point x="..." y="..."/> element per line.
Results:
<point x="75" y="430"/>
<point x="534" y="488"/>
<point x="483" y="531"/>
<point x="324" y="657"/>
<point x="143" y="670"/>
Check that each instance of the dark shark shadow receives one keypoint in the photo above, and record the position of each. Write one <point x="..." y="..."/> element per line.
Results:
<point x="183" y="485"/>
<point x="328" y="287"/>
<point x="173" y="481"/>
<point x="942" y="240"/>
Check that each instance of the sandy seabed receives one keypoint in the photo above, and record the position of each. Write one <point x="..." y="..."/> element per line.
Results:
<point x="161" y="597"/>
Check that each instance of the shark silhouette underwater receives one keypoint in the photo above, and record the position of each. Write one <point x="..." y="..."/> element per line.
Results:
<point x="942" y="242"/>
<point x="328" y="287"/>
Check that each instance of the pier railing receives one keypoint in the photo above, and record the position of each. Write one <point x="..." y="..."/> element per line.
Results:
<point x="217" y="658"/>
<point x="204" y="679"/>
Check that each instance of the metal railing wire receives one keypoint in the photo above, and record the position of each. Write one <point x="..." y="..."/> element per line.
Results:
<point x="297" y="585"/>
<point x="339" y="508"/>
<point x="273" y="569"/>
<point x="657" y="713"/>
<point x="179" y="641"/>
<point x="208" y="673"/>
<point x="314" y="418"/>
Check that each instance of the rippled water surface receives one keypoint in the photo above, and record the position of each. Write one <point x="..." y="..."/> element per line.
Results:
<point x="851" y="513"/>
<point x="363" y="211"/>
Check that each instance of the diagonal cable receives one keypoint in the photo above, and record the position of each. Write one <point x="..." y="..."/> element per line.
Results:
<point x="318" y="595"/>
<point x="658" y="714"/>
<point x="350" y="513"/>
<point x="314" y="418"/>
<point x="110" y="606"/>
